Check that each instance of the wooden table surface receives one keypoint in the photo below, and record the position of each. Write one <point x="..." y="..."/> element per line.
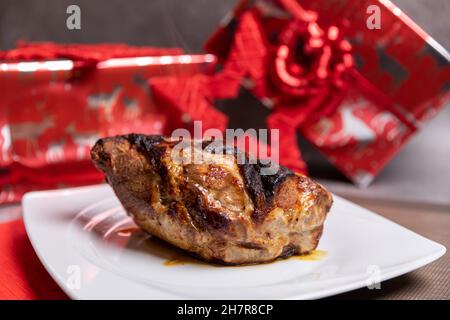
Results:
<point x="429" y="282"/>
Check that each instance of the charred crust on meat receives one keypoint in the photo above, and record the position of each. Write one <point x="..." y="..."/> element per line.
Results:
<point x="153" y="148"/>
<point x="144" y="142"/>
<point x="270" y="182"/>
<point x="172" y="209"/>
<point x="250" y="245"/>
<point x="261" y="188"/>
<point x="211" y="219"/>
<point x="203" y="217"/>
<point x="149" y="147"/>
<point x="100" y="156"/>
<point x="288" y="250"/>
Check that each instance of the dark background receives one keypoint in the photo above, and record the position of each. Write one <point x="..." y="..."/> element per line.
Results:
<point x="185" y="23"/>
<point x="420" y="173"/>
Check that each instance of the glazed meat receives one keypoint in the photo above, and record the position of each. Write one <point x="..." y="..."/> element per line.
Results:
<point x="219" y="210"/>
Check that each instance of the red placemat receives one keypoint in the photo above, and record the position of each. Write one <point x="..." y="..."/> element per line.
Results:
<point x="22" y="276"/>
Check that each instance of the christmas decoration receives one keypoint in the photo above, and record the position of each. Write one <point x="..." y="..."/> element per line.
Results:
<point x="357" y="94"/>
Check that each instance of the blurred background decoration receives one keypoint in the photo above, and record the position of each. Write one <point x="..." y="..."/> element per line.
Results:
<point x="173" y="33"/>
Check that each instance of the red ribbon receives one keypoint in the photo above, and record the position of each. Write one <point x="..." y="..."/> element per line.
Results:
<point x="310" y="64"/>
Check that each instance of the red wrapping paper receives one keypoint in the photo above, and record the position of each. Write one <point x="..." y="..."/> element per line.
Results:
<point x="357" y="94"/>
<point x="52" y="111"/>
<point x="186" y="100"/>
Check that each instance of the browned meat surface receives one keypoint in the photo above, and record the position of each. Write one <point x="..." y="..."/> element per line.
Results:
<point x="218" y="210"/>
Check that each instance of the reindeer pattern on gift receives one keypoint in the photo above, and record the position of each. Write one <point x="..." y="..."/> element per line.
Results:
<point x="132" y="110"/>
<point x="82" y="140"/>
<point x="385" y="123"/>
<point x="55" y="151"/>
<point x="360" y="122"/>
<point x="5" y="143"/>
<point x="30" y="132"/>
<point x="353" y="127"/>
<point x="105" y="101"/>
<point x="57" y="137"/>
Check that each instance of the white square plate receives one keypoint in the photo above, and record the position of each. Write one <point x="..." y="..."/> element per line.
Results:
<point x="93" y="251"/>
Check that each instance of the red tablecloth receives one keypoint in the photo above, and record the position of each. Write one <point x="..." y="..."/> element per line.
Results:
<point x="22" y="276"/>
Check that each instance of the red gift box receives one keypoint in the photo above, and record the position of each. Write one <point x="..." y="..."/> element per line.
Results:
<point x="56" y="105"/>
<point x="357" y="94"/>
